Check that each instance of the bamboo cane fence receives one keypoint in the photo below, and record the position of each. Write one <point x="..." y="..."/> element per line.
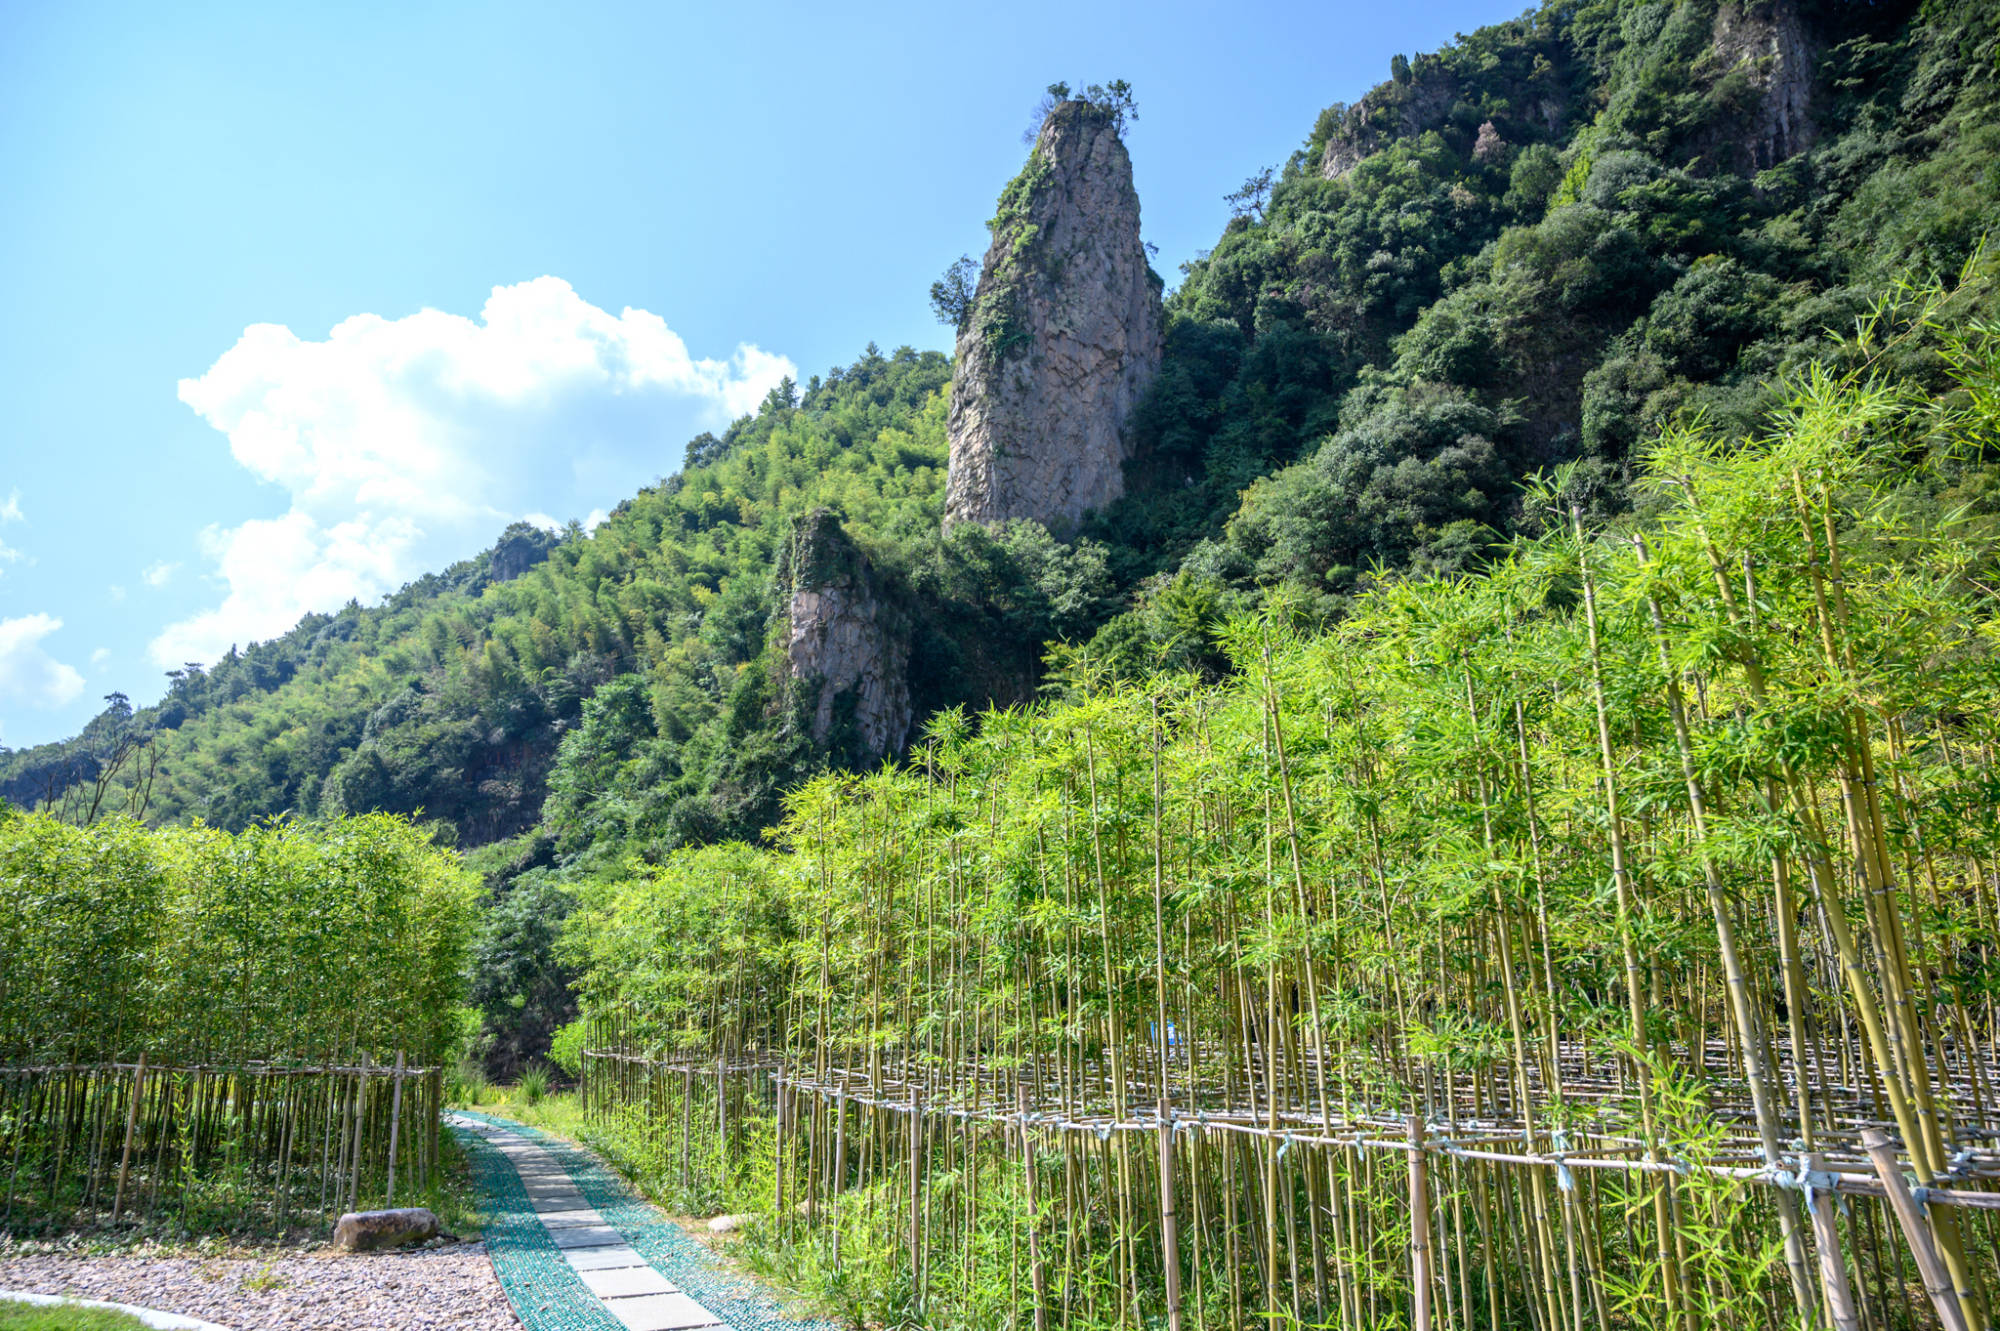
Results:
<point x="1538" y="1203"/>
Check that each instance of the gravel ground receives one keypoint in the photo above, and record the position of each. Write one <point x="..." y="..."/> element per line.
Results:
<point x="451" y="1287"/>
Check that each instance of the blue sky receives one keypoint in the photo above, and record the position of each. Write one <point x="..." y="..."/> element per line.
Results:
<point x="304" y="300"/>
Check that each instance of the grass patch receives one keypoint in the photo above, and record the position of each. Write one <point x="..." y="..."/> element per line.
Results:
<point x="45" y="1317"/>
<point x="554" y="1111"/>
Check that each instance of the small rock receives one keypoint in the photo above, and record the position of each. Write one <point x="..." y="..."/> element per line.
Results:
<point x="363" y="1231"/>
<point x="729" y="1224"/>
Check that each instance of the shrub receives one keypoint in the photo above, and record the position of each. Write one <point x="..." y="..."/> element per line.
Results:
<point x="566" y="1049"/>
<point x="285" y="941"/>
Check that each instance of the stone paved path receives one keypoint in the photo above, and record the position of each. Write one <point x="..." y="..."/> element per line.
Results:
<point x="632" y="1290"/>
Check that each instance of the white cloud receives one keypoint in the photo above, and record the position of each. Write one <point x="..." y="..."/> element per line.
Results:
<point x="117" y="592"/>
<point x="100" y="656"/>
<point x="322" y="567"/>
<point x="27" y="671"/>
<point x="407" y="443"/>
<point x="10" y="511"/>
<point x="598" y="517"/>
<point x="159" y="573"/>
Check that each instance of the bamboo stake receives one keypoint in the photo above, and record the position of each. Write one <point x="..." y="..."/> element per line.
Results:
<point x="1832" y="1270"/>
<point x="917" y="1198"/>
<point x="395" y="1125"/>
<point x="131" y="1125"/>
<point x="1937" y="1279"/>
<point x="354" y="1115"/>
<point x="1037" y="1275"/>
<point x="1420" y="1211"/>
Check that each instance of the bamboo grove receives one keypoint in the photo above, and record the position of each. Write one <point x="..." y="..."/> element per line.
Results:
<point x="1607" y="940"/>
<point x="222" y="1031"/>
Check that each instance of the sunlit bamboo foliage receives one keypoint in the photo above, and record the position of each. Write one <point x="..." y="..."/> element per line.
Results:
<point x="245" y="1028"/>
<point x="1538" y="949"/>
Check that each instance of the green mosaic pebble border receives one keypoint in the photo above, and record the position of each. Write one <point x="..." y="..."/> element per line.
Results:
<point x="545" y="1290"/>
<point x="675" y="1254"/>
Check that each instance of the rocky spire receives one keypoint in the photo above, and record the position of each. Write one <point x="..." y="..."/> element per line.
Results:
<point x="1063" y="337"/>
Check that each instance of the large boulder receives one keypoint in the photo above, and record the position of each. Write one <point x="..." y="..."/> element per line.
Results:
<point x="365" y="1231"/>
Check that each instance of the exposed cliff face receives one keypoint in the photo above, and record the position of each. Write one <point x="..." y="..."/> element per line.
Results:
<point x="1766" y="47"/>
<point x="519" y="549"/>
<point x="1064" y="337"/>
<point x="1758" y="69"/>
<point x="847" y="651"/>
<point x="1403" y="109"/>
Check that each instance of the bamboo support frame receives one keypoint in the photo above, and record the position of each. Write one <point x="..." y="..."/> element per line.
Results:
<point x="1535" y="950"/>
<point x="183" y="1121"/>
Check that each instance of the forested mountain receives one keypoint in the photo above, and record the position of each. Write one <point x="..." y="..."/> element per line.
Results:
<point x="622" y="675"/>
<point x="1531" y="247"/>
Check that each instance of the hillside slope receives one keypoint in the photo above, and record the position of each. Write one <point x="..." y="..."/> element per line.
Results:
<point x="626" y="677"/>
<point x="1531" y="247"/>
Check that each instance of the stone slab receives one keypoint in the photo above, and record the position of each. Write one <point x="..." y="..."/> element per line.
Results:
<point x="625" y="1282"/>
<point x="586" y="1236"/>
<point x="602" y="1259"/>
<point x="572" y="1199"/>
<point x="637" y="1295"/>
<point x="661" y="1312"/>
<point x="570" y="1219"/>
